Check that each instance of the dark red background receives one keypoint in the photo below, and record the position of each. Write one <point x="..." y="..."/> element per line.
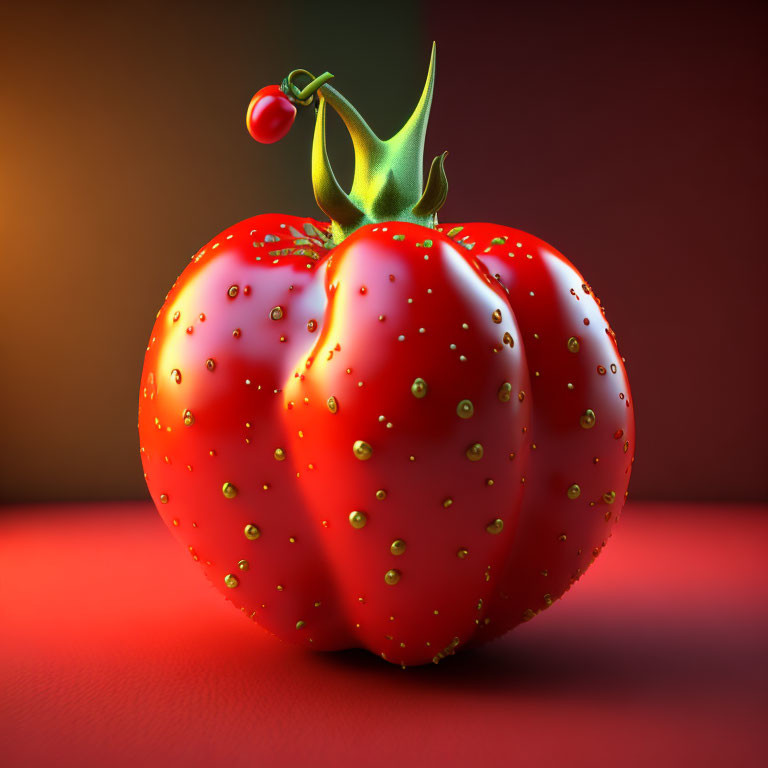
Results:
<point x="630" y="136"/>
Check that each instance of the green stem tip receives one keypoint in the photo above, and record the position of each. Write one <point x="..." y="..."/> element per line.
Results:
<point x="388" y="178"/>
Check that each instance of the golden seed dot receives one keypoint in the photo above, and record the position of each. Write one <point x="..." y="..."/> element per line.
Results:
<point x="507" y="339"/>
<point x="613" y="368"/>
<point x="176" y="315"/>
<point x="548" y="599"/>
<point x="243" y="565"/>
<point x="573" y="492"/>
<point x="176" y="375"/>
<point x="300" y="624"/>
<point x="573" y="344"/>
<point x="465" y="409"/>
<point x="232" y="292"/>
<point x="496" y="316"/>
<point x="392" y="576"/>
<point x="419" y="388"/>
<point x="521" y="395"/>
<point x="609" y="497"/>
<point x="279" y="587"/>
<point x="505" y="392"/>
<point x="357" y="519"/>
<point x="229" y="491"/>
<point x="475" y="452"/>
<point x="333" y="406"/>
<point x="489" y="481"/>
<point x="381" y="494"/>
<point x="588" y="419"/>
<point x="562" y="537"/>
<point x="626" y="446"/>
<point x="276" y="313"/>
<point x="447" y="502"/>
<point x="251" y="532"/>
<point x="397" y="547"/>
<point x="311" y="325"/>
<point x="210" y="363"/>
<point x="462" y="553"/>
<point x="497" y="526"/>
<point x="601" y="370"/>
<point x="362" y="450"/>
<point x="231" y="580"/>
<point x="279" y="454"/>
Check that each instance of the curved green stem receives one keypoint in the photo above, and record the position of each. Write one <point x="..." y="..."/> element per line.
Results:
<point x="389" y="177"/>
<point x="304" y="95"/>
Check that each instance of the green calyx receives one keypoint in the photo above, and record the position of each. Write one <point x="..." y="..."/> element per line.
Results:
<point x="388" y="183"/>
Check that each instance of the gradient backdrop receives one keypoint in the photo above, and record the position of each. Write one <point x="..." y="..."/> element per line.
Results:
<point x="630" y="136"/>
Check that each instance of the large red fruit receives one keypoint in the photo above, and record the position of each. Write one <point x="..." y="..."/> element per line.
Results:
<point x="380" y="432"/>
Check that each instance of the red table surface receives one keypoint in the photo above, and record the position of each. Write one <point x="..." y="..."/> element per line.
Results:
<point x="115" y="651"/>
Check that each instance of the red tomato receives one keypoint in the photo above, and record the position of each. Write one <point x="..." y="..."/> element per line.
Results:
<point x="270" y="115"/>
<point x="379" y="432"/>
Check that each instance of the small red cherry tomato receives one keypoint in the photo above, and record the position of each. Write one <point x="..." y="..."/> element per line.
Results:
<point x="270" y="115"/>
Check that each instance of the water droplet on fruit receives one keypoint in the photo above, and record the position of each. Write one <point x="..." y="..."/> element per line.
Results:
<point x="397" y="547"/>
<point x="251" y="532"/>
<point x="392" y="576"/>
<point x="419" y="388"/>
<point x="475" y="452"/>
<point x="362" y="450"/>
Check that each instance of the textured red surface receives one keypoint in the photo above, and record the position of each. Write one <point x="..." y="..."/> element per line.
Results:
<point x="114" y="650"/>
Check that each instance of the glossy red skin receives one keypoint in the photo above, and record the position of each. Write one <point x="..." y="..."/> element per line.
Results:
<point x="270" y="115"/>
<point x="333" y="592"/>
